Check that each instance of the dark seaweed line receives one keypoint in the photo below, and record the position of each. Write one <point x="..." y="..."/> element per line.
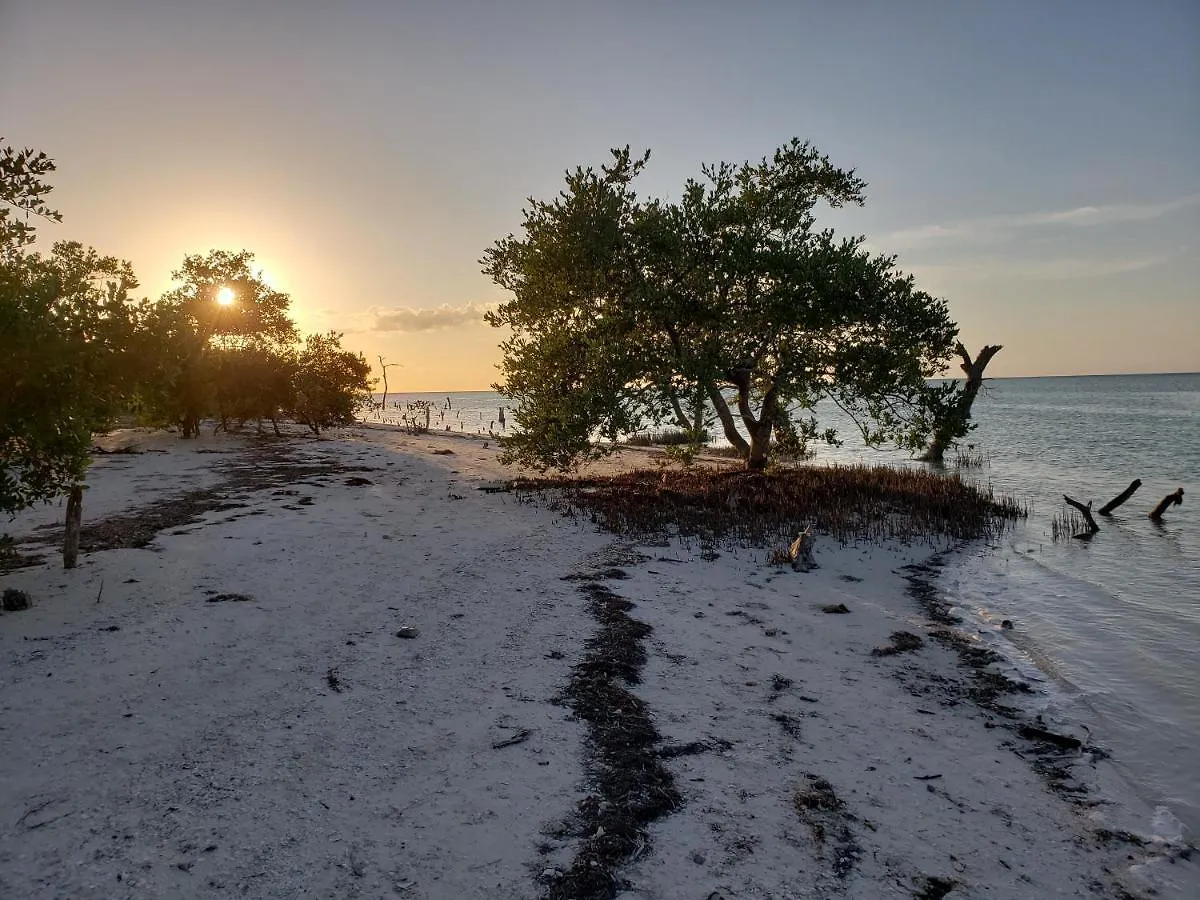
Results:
<point x="633" y="787"/>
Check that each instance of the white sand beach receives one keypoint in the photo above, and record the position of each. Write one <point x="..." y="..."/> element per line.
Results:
<point x="350" y="682"/>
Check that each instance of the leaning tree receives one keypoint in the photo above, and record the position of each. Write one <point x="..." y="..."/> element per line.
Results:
<point x="621" y="306"/>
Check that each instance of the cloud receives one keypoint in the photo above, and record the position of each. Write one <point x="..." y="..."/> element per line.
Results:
<point x="1061" y="269"/>
<point x="407" y="318"/>
<point x="991" y="227"/>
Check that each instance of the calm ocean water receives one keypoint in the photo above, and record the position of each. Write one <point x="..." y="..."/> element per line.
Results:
<point x="1113" y="624"/>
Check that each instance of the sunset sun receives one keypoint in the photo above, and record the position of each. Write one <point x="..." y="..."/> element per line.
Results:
<point x="225" y="296"/>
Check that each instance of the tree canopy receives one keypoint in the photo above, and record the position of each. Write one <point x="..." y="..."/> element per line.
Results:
<point x="77" y="351"/>
<point x="66" y="322"/>
<point x="623" y="309"/>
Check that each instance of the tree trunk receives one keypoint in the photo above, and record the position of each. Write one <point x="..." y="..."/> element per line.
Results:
<point x="383" y="369"/>
<point x="1116" y="501"/>
<point x="73" y="525"/>
<point x="758" y="427"/>
<point x="698" y="416"/>
<point x="944" y="434"/>
<point x="677" y="409"/>
<point x="727" y="423"/>
<point x="760" y="449"/>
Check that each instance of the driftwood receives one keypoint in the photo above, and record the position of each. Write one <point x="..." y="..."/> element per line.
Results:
<point x="801" y="550"/>
<point x="74" y="522"/>
<point x="1116" y="501"/>
<point x="1175" y="498"/>
<point x="1086" y="512"/>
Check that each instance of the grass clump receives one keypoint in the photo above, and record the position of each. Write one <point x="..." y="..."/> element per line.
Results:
<point x="851" y="503"/>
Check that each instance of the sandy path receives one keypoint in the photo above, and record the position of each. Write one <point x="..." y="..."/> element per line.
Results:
<point x="200" y="749"/>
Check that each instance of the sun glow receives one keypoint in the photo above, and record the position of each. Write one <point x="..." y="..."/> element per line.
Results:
<point x="225" y="296"/>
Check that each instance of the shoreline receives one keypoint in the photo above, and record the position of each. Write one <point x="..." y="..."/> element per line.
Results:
<point x="817" y="743"/>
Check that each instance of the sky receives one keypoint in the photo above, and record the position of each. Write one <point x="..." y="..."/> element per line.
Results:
<point x="1034" y="162"/>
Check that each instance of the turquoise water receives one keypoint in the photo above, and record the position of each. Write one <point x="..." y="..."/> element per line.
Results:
<point x="1113" y="624"/>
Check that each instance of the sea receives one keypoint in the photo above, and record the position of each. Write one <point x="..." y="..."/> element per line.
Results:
<point x="1109" y="628"/>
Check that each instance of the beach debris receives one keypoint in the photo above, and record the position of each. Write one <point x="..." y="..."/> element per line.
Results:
<point x="801" y="551"/>
<point x="408" y="632"/>
<point x="1086" y="512"/>
<point x="495" y="487"/>
<point x="693" y="748"/>
<point x="14" y="600"/>
<point x="780" y="683"/>
<point x="933" y="887"/>
<point x="1175" y="498"/>
<point x="355" y="481"/>
<point x="334" y="679"/>
<point x="634" y="788"/>
<point x="443" y="451"/>
<point x="789" y="723"/>
<point x="1037" y="733"/>
<point x="839" y="609"/>
<point x="521" y="735"/>
<point x="825" y="814"/>
<point x="1116" y="501"/>
<point x="235" y="598"/>
<point x="902" y="642"/>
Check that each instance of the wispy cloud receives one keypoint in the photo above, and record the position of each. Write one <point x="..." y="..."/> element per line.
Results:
<point x="991" y="227"/>
<point x="408" y="318"/>
<point x="1054" y="269"/>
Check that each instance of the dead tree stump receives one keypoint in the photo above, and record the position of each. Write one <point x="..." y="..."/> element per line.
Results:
<point x="801" y="551"/>
<point x="1086" y="512"/>
<point x="1175" y="498"/>
<point x="74" y="522"/>
<point x="1116" y="501"/>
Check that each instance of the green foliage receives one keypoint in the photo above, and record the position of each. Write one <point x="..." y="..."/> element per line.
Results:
<point x="22" y="190"/>
<point x="66" y="326"/>
<point x="621" y="306"/>
<point x="231" y="360"/>
<point x="331" y="384"/>
<point x="76" y="351"/>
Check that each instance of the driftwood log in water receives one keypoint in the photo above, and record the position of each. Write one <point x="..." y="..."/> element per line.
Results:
<point x="1086" y="512"/>
<point x="1175" y="498"/>
<point x="1116" y="501"/>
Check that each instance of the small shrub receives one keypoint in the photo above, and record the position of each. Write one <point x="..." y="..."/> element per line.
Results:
<point x="14" y="600"/>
